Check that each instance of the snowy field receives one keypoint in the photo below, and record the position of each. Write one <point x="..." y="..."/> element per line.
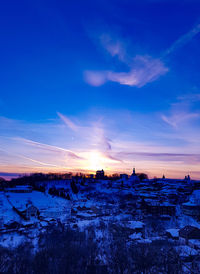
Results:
<point x="6" y="212"/>
<point x="105" y="211"/>
<point x="49" y="207"/>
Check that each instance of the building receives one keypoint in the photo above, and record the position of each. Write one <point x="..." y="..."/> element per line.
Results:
<point x="187" y="178"/>
<point x="31" y="211"/>
<point x="100" y="174"/>
<point x="191" y="209"/>
<point x="19" y="189"/>
<point x="134" y="178"/>
<point x="156" y="208"/>
<point x="189" y="232"/>
<point x="173" y="233"/>
<point x="124" y="176"/>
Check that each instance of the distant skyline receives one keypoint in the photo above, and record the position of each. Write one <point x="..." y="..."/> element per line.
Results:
<point x="89" y="85"/>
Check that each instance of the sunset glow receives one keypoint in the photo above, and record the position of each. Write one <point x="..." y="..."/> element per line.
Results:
<point x="111" y="88"/>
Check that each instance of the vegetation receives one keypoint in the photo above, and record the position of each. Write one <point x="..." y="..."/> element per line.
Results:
<point x="63" y="250"/>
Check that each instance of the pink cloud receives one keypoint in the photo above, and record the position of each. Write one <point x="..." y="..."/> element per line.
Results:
<point x="176" y="118"/>
<point x="113" y="46"/>
<point x="144" y="69"/>
<point x="95" y="78"/>
<point x="184" y="39"/>
<point x="180" y="112"/>
<point x="68" y="122"/>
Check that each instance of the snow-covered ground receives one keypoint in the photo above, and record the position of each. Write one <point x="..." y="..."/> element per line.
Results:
<point x="106" y="208"/>
<point x="7" y="214"/>
<point x="49" y="206"/>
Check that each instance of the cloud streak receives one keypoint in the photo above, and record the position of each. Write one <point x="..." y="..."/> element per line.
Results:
<point x="180" y="112"/>
<point x="184" y="39"/>
<point x="177" y="118"/>
<point x="114" y="47"/>
<point x="48" y="147"/>
<point x="163" y="156"/>
<point x="96" y="135"/>
<point x="28" y="158"/>
<point x="101" y="141"/>
<point x="68" y="122"/>
<point x="143" y="70"/>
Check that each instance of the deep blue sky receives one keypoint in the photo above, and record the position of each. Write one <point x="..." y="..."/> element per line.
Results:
<point x="53" y="52"/>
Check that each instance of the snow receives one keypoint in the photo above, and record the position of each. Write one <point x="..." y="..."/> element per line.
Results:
<point x="134" y="224"/>
<point x="85" y="214"/>
<point x="96" y="204"/>
<point x="48" y="206"/>
<point x="174" y="232"/>
<point x="194" y="243"/>
<point x="187" y="220"/>
<point x="99" y="234"/>
<point x="83" y="224"/>
<point x="189" y="204"/>
<point x="186" y="251"/>
<point x="135" y="236"/>
<point x="11" y="240"/>
<point x="145" y="241"/>
<point x="44" y="224"/>
<point x="195" y="197"/>
<point x="6" y="212"/>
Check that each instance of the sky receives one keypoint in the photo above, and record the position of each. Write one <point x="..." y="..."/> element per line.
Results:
<point x="86" y="85"/>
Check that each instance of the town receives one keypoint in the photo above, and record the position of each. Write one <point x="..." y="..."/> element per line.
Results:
<point x="133" y="209"/>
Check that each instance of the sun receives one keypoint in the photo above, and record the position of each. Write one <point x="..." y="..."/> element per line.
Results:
<point x="95" y="161"/>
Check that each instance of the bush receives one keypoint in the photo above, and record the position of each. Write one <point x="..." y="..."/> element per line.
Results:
<point x="62" y="250"/>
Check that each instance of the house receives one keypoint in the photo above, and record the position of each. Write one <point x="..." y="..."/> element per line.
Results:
<point x="100" y="174"/>
<point x="187" y="178"/>
<point x="172" y="233"/>
<point x="134" y="178"/>
<point x="12" y="225"/>
<point x="31" y="211"/>
<point x="189" y="232"/>
<point x="124" y="176"/>
<point x="19" y="189"/>
<point x="191" y="209"/>
<point x="156" y="208"/>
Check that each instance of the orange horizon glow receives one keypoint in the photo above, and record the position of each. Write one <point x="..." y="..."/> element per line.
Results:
<point x="70" y="147"/>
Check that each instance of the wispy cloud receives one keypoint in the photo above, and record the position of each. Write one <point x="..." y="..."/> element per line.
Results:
<point x="27" y="158"/>
<point x="94" y="133"/>
<point x="177" y="118"/>
<point x="100" y="141"/>
<point x="48" y="147"/>
<point x="114" y="47"/>
<point x="180" y="112"/>
<point x="68" y="122"/>
<point x="163" y="156"/>
<point x="104" y="143"/>
<point x="143" y="70"/>
<point x="184" y="39"/>
<point x="95" y="78"/>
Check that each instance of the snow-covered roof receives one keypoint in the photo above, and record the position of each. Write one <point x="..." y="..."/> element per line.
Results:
<point x="134" y="224"/>
<point x="186" y="251"/>
<point x="174" y="232"/>
<point x="135" y="236"/>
